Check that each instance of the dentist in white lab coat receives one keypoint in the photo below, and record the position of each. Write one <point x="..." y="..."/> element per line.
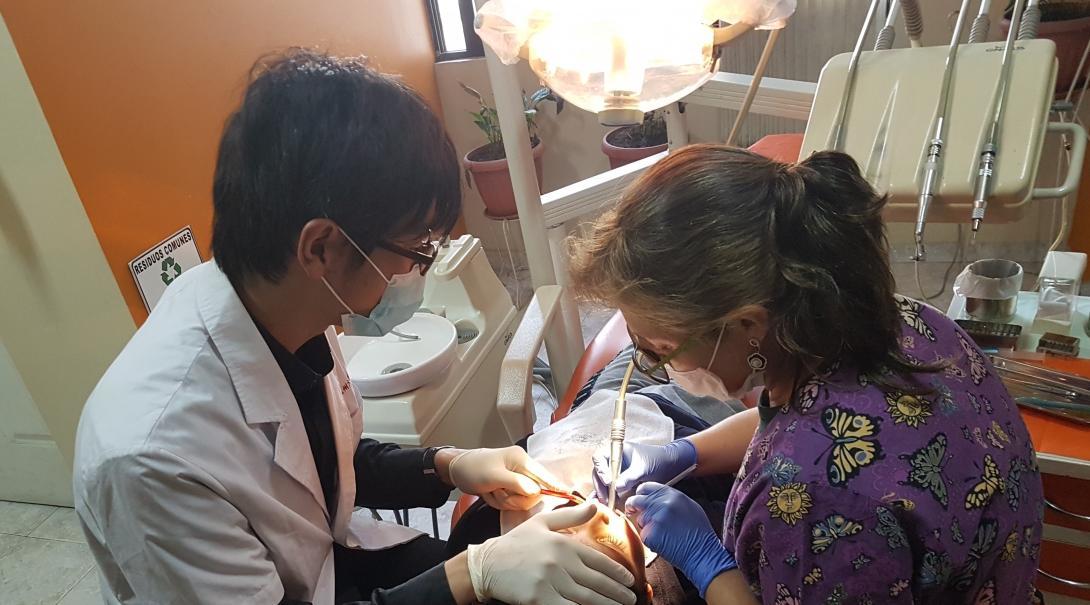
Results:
<point x="219" y="459"/>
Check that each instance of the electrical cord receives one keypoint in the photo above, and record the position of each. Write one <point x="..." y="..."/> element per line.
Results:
<point x="514" y="269"/>
<point x="958" y="254"/>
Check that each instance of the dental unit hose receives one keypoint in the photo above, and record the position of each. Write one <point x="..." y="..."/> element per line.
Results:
<point x="1031" y="20"/>
<point x="990" y="149"/>
<point x="888" y="34"/>
<point x="981" y="24"/>
<point x="933" y="163"/>
<point x="913" y="21"/>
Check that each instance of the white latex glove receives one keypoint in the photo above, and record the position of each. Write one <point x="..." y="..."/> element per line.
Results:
<point x="534" y="564"/>
<point x="499" y="476"/>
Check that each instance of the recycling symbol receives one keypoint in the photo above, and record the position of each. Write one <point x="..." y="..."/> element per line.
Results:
<point x="169" y="263"/>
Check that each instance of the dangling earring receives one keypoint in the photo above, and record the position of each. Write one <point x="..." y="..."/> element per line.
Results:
<point x="756" y="361"/>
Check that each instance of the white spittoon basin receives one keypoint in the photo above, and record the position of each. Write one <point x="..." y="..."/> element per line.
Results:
<point x="391" y="365"/>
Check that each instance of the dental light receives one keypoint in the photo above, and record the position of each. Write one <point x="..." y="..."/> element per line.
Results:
<point x="621" y="58"/>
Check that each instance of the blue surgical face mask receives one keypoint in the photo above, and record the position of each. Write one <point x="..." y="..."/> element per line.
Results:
<point x="403" y="296"/>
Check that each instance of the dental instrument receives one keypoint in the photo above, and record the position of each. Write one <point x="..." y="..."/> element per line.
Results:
<point x="616" y="436"/>
<point x="990" y="149"/>
<point x="836" y="135"/>
<point x="933" y="163"/>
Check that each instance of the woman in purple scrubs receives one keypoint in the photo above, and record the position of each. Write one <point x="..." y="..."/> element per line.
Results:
<point x="885" y="461"/>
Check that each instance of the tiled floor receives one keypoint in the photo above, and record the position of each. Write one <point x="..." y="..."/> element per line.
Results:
<point x="43" y="557"/>
<point x="45" y="561"/>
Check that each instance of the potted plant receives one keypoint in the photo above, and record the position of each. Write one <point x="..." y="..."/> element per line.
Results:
<point x="1067" y="24"/>
<point x="627" y="144"/>
<point x="486" y="166"/>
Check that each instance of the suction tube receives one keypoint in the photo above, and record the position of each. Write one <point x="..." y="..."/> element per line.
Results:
<point x="933" y="164"/>
<point x="836" y="135"/>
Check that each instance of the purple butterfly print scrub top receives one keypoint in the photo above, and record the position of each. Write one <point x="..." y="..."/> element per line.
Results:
<point x="855" y="493"/>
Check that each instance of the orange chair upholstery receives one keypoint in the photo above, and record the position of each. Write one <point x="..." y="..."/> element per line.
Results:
<point x="780" y="147"/>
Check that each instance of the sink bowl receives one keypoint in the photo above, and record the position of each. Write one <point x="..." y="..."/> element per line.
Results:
<point x="391" y="365"/>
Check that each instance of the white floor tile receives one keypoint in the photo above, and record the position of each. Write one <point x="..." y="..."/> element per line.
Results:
<point x="21" y="519"/>
<point x="85" y="592"/>
<point x="40" y="572"/>
<point x="61" y="525"/>
<point x="8" y="543"/>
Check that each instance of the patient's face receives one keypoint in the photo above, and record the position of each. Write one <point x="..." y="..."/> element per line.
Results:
<point x="615" y="536"/>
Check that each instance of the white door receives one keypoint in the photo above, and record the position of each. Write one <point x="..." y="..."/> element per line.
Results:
<point x="31" y="466"/>
<point x="62" y="317"/>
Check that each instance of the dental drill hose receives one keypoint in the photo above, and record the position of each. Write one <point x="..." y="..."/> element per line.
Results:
<point x="981" y="24"/>
<point x="616" y="437"/>
<point x="913" y="21"/>
<point x="1031" y="20"/>
<point x="888" y="33"/>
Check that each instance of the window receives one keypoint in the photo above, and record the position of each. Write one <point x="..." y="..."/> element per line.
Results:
<point x="452" y="29"/>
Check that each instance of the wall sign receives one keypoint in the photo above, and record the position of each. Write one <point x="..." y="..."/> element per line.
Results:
<point x="157" y="267"/>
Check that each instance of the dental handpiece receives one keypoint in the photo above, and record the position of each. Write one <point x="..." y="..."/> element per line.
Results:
<point x="616" y="437"/>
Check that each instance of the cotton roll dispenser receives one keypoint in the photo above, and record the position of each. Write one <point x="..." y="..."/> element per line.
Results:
<point x="990" y="288"/>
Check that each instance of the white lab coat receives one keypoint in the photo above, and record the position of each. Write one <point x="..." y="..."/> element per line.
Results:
<point x="194" y="479"/>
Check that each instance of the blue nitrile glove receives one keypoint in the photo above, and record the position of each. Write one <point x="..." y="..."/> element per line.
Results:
<point x="640" y="463"/>
<point x="675" y="527"/>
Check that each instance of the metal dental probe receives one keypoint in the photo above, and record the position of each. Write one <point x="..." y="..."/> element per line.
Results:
<point x="933" y="163"/>
<point x="616" y="437"/>
<point x="990" y="149"/>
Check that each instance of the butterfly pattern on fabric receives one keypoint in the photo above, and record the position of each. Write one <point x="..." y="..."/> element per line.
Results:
<point x="986" y="594"/>
<point x="890" y="528"/>
<point x="910" y="313"/>
<point x="935" y="570"/>
<point x="983" y="541"/>
<point x="825" y="533"/>
<point x="876" y="484"/>
<point x="860" y="562"/>
<point x="780" y="470"/>
<point x="808" y="394"/>
<point x="853" y="443"/>
<point x="784" y="596"/>
<point x="990" y="482"/>
<point x="1010" y="546"/>
<point x="1014" y="484"/>
<point x="927" y="469"/>
<point x="978" y="369"/>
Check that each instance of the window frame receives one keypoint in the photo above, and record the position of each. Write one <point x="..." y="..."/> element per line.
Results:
<point x="474" y="47"/>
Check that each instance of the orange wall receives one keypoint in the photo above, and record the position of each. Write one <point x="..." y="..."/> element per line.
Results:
<point x="136" y="93"/>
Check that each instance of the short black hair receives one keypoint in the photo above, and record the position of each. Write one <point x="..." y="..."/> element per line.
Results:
<point x="323" y="136"/>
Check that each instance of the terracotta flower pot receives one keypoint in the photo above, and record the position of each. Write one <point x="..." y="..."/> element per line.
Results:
<point x="1070" y="37"/>
<point x="493" y="181"/>
<point x="619" y="156"/>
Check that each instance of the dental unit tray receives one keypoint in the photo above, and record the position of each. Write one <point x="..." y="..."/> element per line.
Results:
<point x="894" y="101"/>
<point x="1046" y="390"/>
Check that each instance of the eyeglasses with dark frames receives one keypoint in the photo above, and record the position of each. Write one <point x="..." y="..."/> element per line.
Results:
<point x="423" y="255"/>
<point x="652" y="364"/>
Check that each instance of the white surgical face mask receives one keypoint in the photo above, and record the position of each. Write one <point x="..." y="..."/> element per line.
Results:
<point x="702" y="382"/>
<point x="403" y="296"/>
